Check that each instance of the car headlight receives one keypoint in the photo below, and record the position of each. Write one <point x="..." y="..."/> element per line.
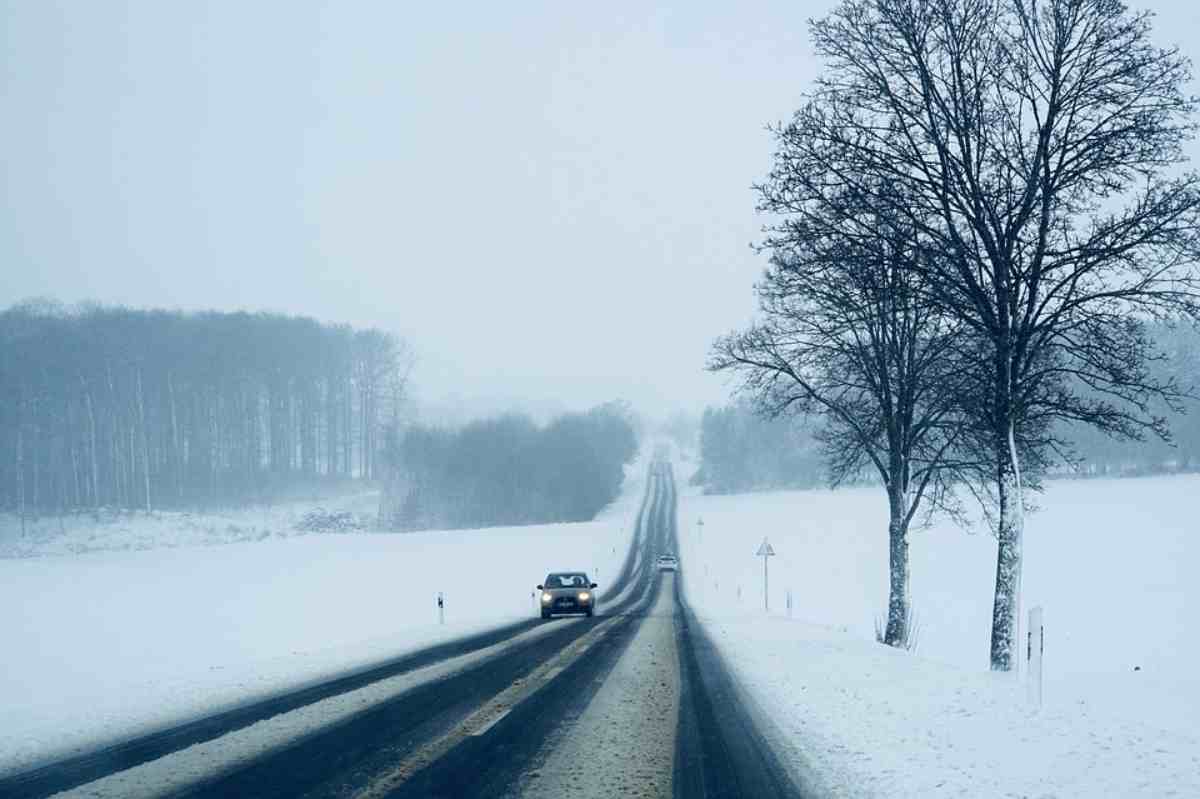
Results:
<point x="547" y="597"/>
<point x="584" y="596"/>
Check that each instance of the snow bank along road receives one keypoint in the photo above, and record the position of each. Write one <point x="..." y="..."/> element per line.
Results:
<point x="634" y="702"/>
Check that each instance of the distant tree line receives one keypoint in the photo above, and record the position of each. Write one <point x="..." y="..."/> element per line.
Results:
<point x="741" y="450"/>
<point x="508" y="471"/>
<point x="139" y="409"/>
<point x="1094" y="454"/>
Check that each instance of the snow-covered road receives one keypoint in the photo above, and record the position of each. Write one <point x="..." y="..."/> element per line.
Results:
<point x="623" y="744"/>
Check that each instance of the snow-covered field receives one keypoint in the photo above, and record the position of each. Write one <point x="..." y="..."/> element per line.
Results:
<point x="103" y="645"/>
<point x="109" y="530"/>
<point x="1111" y="562"/>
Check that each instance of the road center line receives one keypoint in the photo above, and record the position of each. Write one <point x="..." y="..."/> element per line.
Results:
<point x="490" y="713"/>
<point x="190" y="766"/>
<point x="492" y="723"/>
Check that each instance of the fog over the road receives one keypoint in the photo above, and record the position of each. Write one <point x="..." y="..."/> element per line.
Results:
<point x="551" y="200"/>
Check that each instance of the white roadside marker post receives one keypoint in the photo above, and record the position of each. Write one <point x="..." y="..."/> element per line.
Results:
<point x="765" y="550"/>
<point x="700" y="530"/>
<point x="441" y="608"/>
<point x="1035" y="647"/>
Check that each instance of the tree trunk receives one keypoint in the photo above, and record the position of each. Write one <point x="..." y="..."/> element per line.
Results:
<point x="1009" y="528"/>
<point x="176" y="459"/>
<point x="91" y="412"/>
<point x="37" y="439"/>
<point x="141" y="402"/>
<point x="21" y="464"/>
<point x="76" y="495"/>
<point x="348" y="438"/>
<point x="132" y="461"/>
<point x="331" y="426"/>
<point x="897" y="631"/>
<point x="115" y="436"/>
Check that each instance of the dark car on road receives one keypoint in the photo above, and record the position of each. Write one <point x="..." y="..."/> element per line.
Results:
<point x="567" y="592"/>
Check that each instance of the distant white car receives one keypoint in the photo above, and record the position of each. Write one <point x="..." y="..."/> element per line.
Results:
<point x="668" y="563"/>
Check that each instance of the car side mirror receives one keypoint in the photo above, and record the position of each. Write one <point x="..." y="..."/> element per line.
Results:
<point x="595" y="586"/>
<point x="540" y="588"/>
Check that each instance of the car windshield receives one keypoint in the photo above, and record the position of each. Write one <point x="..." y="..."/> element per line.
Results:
<point x="576" y="580"/>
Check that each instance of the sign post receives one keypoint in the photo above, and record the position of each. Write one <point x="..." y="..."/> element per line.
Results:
<point x="765" y="550"/>
<point x="1035" y="647"/>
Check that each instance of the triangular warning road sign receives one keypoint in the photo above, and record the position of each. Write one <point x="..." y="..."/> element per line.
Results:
<point x="765" y="549"/>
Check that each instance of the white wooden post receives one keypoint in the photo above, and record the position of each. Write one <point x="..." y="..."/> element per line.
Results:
<point x="1035" y="645"/>
<point x="766" y="591"/>
<point x="441" y="608"/>
<point x="765" y="550"/>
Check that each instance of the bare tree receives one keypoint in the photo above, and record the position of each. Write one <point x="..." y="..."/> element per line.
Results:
<point x="382" y="364"/>
<point x="1036" y="148"/>
<point x="848" y="334"/>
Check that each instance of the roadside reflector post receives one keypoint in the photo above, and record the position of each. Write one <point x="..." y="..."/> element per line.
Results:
<point x="441" y="608"/>
<point x="789" y="603"/>
<point x="1035" y="647"/>
<point x="700" y="530"/>
<point x="765" y="551"/>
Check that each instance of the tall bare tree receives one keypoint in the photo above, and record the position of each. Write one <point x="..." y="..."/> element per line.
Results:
<point x="1036" y="146"/>
<point x="847" y="333"/>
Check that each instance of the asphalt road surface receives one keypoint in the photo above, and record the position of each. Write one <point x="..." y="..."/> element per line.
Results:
<point x="633" y="702"/>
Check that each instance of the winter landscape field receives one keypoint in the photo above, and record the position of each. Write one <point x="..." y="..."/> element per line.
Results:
<point x="103" y="645"/>
<point x="114" y="530"/>
<point x="443" y="401"/>
<point x="143" y="637"/>
<point x="1108" y="560"/>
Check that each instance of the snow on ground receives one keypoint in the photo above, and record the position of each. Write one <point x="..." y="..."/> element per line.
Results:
<point x="104" y="645"/>
<point x="1109" y="560"/>
<point x="109" y="529"/>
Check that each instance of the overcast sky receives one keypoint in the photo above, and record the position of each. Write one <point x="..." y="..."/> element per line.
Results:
<point x="550" y="201"/>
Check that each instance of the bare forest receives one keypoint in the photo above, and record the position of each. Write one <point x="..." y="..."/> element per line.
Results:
<point x="145" y="409"/>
